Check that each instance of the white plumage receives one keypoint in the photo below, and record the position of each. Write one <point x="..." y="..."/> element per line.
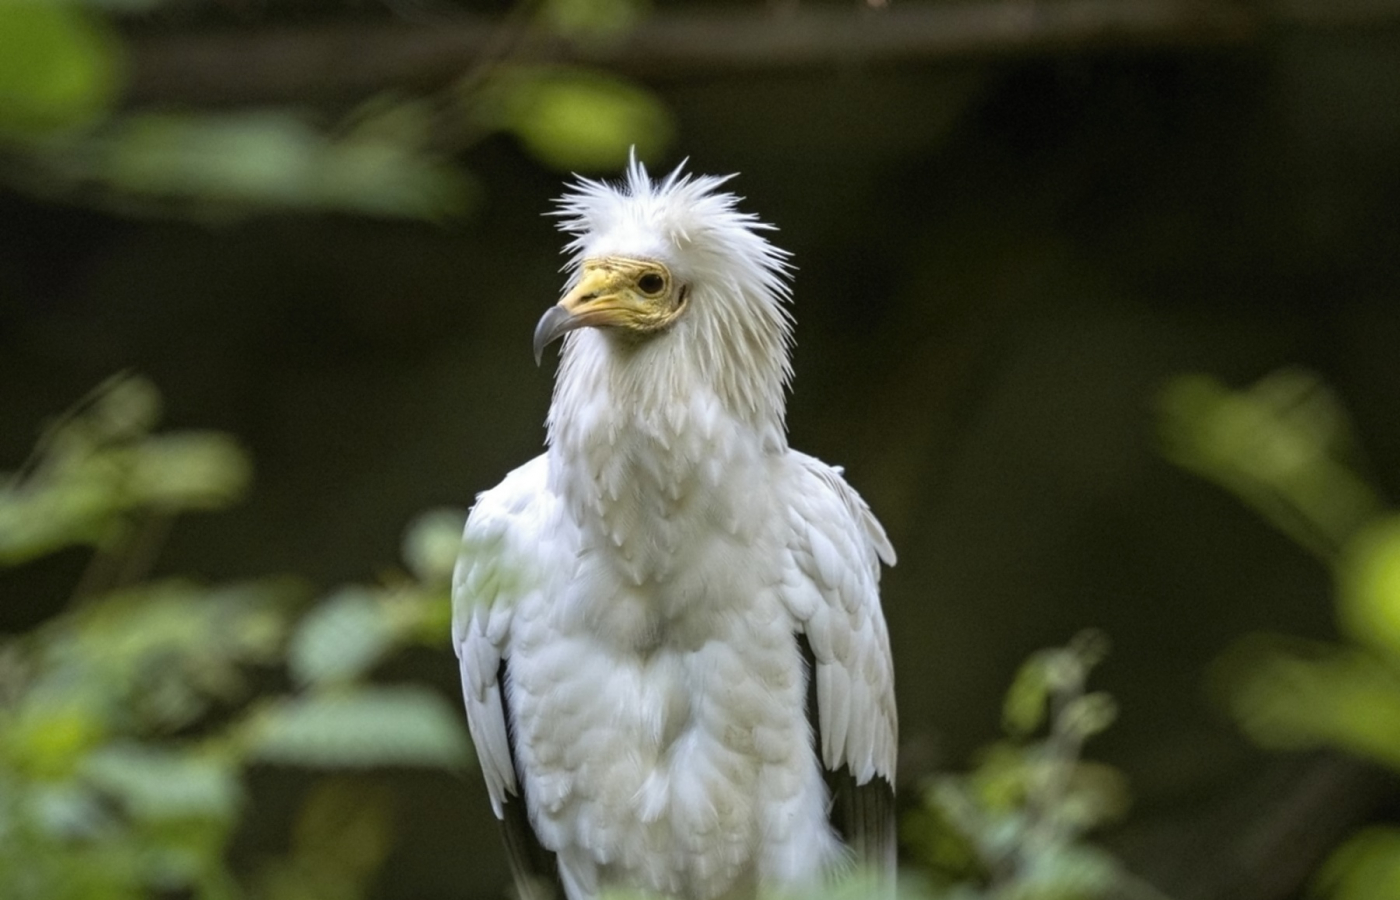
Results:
<point x="627" y="605"/>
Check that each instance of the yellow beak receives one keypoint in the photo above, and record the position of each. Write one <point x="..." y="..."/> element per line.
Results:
<point x="606" y="295"/>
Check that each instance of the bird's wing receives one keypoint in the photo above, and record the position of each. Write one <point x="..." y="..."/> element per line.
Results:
<point x="506" y="555"/>
<point x="831" y="586"/>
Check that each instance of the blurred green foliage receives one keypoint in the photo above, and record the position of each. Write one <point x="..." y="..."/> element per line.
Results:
<point x="64" y="131"/>
<point x="1285" y="447"/>
<point x="129" y="718"/>
<point x="1014" y="827"/>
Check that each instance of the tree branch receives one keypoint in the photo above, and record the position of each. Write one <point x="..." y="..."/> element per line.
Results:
<point x="338" y="60"/>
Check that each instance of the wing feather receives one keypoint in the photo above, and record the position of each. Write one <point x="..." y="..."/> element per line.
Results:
<point x="511" y="544"/>
<point x="831" y="587"/>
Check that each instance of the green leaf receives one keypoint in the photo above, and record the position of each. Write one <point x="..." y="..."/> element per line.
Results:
<point x="53" y="731"/>
<point x="1368" y="583"/>
<point x="264" y="160"/>
<point x="1065" y="872"/>
<point x="190" y="470"/>
<point x="341" y="638"/>
<point x="124" y="407"/>
<point x="432" y="542"/>
<point x="368" y="727"/>
<point x="39" y="519"/>
<point x="164" y="783"/>
<point x="575" y="119"/>
<point x="1097" y="794"/>
<point x="1088" y="715"/>
<point x="1280" y="446"/>
<point x="1090" y="647"/>
<point x="1025" y="707"/>
<point x="59" y="67"/>
<point x="597" y="19"/>
<point x="64" y="810"/>
<point x="1296" y="694"/>
<point x="1366" y="867"/>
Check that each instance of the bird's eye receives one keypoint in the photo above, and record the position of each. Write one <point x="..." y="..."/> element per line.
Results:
<point x="651" y="283"/>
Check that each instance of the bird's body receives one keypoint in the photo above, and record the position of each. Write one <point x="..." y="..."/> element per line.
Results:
<point x="628" y="605"/>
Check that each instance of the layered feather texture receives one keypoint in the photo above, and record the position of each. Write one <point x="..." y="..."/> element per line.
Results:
<point x="641" y="585"/>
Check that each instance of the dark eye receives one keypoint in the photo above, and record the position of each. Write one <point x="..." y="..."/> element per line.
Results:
<point x="651" y="283"/>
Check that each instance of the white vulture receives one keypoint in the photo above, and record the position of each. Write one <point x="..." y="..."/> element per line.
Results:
<point x="676" y="670"/>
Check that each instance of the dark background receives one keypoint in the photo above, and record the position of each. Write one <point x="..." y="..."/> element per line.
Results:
<point x="1000" y="261"/>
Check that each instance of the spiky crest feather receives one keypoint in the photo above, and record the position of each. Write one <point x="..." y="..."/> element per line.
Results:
<point x="737" y="334"/>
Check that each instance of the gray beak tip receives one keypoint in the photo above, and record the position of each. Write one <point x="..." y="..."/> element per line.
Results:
<point x="554" y="324"/>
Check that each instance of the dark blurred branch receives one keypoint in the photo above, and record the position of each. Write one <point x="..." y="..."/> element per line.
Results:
<point x="346" y="60"/>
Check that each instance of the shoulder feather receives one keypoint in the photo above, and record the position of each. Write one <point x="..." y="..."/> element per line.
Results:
<point x="831" y="586"/>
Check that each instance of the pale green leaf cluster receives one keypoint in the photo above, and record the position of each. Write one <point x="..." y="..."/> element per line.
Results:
<point x="1285" y="447"/>
<point x="1014" y="827"/>
<point x="129" y="718"/>
<point x="91" y="478"/>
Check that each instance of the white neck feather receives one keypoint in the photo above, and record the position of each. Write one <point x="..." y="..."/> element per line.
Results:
<point x="636" y="419"/>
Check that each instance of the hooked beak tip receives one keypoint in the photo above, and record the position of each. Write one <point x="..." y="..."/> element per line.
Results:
<point x="554" y="324"/>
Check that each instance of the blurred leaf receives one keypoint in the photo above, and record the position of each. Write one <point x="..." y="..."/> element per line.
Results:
<point x="1077" y="872"/>
<point x="1088" y="715"/>
<point x="65" y="810"/>
<point x="1025" y="707"/>
<point x="1292" y="694"/>
<point x="97" y="464"/>
<point x="1368" y="578"/>
<point x="938" y="844"/>
<point x="59" y="67"/>
<point x="1281" y="446"/>
<point x="206" y="626"/>
<point x="1366" y="867"/>
<point x="1000" y="781"/>
<point x="595" y="19"/>
<point x="49" y="734"/>
<point x="576" y="119"/>
<point x="165" y="783"/>
<point x="1090" y="647"/>
<point x="1061" y="670"/>
<point x="124" y="407"/>
<point x="340" y="638"/>
<point x="38" y="519"/>
<point x="368" y="727"/>
<point x="188" y="470"/>
<point x="262" y="160"/>
<point x="1095" y="795"/>
<point x="157" y="654"/>
<point x="432" y="542"/>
